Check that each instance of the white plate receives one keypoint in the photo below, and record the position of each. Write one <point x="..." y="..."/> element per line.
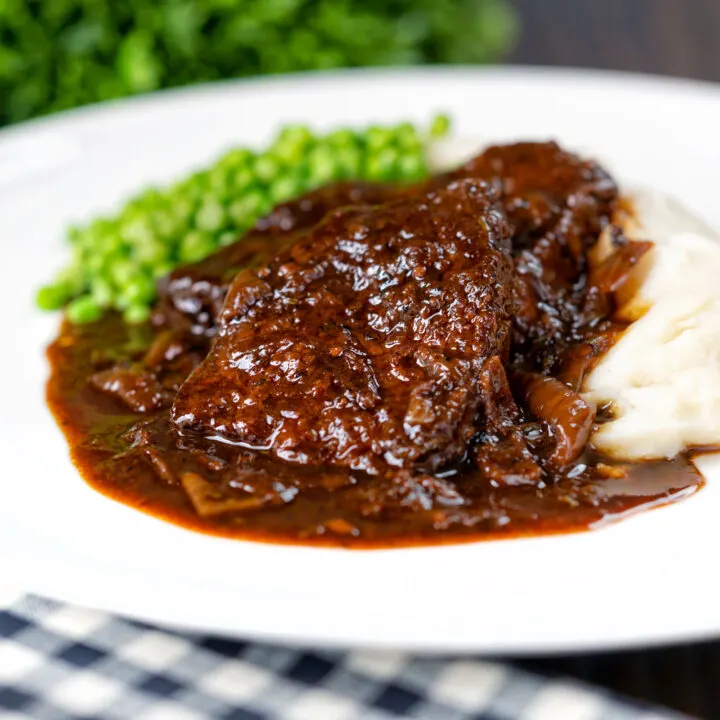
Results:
<point x="648" y="579"/>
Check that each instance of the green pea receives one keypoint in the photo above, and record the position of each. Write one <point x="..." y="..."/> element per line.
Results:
<point x="83" y="309"/>
<point x="122" y="272"/>
<point x="136" y="231"/>
<point x="227" y="238"/>
<point x="238" y="158"/>
<point x="284" y="188"/>
<point x="162" y="270"/>
<point x="322" y="167"/>
<point x="147" y="200"/>
<point x="196" y="186"/>
<point x="440" y="126"/>
<point x="102" y="291"/>
<point x="342" y="138"/>
<point x="140" y="290"/>
<point x="98" y="228"/>
<point x="381" y="165"/>
<point x="247" y="208"/>
<point x="291" y="144"/>
<point x="75" y="235"/>
<point x="72" y="279"/>
<point x="219" y="180"/>
<point x="52" y="297"/>
<point x="407" y="137"/>
<point x="164" y="225"/>
<point x="182" y="211"/>
<point x="295" y="135"/>
<point x="98" y="263"/>
<point x="242" y="179"/>
<point x="412" y="167"/>
<point x="265" y="207"/>
<point x="378" y="137"/>
<point x="349" y="161"/>
<point x="266" y="168"/>
<point x="195" y="246"/>
<point x="136" y="314"/>
<point x="211" y="216"/>
<point x="152" y="253"/>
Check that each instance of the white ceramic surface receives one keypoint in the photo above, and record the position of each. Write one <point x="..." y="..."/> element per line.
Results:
<point x="647" y="579"/>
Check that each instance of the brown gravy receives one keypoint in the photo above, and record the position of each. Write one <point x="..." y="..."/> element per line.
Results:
<point x="95" y="426"/>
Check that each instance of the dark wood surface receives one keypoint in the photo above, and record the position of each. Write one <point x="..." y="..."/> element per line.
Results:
<point x="670" y="37"/>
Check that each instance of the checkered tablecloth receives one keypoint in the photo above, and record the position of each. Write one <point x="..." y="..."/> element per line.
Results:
<point x="59" y="662"/>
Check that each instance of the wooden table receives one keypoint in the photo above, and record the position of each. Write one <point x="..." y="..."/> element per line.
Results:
<point x="672" y="37"/>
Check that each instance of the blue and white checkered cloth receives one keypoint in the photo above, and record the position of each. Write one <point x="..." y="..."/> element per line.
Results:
<point x="59" y="662"/>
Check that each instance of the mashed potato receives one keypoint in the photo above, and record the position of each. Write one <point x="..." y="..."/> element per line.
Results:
<point x="663" y="375"/>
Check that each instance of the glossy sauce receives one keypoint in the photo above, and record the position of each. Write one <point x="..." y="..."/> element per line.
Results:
<point x="340" y="512"/>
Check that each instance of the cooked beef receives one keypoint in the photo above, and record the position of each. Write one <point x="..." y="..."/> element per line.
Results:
<point x="191" y="297"/>
<point x="501" y="451"/>
<point x="362" y="343"/>
<point x="557" y="204"/>
<point x="547" y="192"/>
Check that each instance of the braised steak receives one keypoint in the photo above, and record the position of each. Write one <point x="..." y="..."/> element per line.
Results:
<point x="361" y="344"/>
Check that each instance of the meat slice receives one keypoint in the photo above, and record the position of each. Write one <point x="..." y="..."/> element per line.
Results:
<point x="546" y="190"/>
<point x="557" y="203"/>
<point x="361" y="344"/>
<point x="191" y="296"/>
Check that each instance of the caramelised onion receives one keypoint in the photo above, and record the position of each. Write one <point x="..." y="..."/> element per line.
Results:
<point x="614" y="271"/>
<point x="137" y="389"/>
<point x="581" y="359"/>
<point x="212" y="498"/>
<point x="568" y="414"/>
